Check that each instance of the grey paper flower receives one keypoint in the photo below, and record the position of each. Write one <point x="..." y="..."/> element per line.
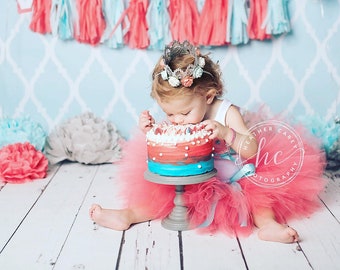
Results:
<point x="85" y="139"/>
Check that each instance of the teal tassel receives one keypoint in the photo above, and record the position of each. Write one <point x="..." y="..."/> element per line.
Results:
<point x="61" y="18"/>
<point x="112" y="10"/>
<point x="237" y="22"/>
<point x="159" y="24"/>
<point x="277" y="19"/>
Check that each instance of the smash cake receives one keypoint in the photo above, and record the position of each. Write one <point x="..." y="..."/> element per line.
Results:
<point x="179" y="150"/>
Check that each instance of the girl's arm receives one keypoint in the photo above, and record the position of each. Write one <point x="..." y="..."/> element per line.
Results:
<point x="242" y="141"/>
<point x="234" y="132"/>
<point x="146" y="121"/>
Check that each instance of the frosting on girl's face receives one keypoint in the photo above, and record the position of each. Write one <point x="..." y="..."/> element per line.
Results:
<point x="186" y="109"/>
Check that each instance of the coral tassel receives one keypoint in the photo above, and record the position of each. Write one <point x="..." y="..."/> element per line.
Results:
<point x="91" y="21"/>
<point x="184" y="20"/>
<point x="212" y="27"/>
<point x="41" y="16"/>
<point x="137" y="34"/>
<point x="258" y="11"/>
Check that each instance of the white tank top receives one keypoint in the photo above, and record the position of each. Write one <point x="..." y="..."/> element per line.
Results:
<point x="225" y="167"/>
<point x="222" y="111"/>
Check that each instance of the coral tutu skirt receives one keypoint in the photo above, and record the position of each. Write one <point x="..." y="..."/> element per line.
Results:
<point x="288" y="179"/>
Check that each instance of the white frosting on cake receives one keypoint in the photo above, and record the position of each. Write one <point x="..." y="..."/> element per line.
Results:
<point x="165" y="133"/>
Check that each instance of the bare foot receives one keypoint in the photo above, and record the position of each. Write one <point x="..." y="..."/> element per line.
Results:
<point x="118" y="220"/>
<point x="277" y="232"/>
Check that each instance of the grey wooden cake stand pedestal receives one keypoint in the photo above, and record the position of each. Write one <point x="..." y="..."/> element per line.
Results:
<point x="177" y="220"/>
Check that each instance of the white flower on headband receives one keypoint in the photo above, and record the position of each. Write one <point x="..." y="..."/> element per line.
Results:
<point x="181" y="77"/>
<point x="198" y="72"/>
<point x="174" y="82"/>
<point x="164" y="75"/>
<point x="201" y="62"/>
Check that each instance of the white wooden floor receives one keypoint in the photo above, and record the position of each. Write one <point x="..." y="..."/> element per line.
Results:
<point x="45" y="225"/>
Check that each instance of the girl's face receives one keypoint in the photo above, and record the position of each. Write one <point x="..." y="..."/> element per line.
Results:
<point x="187" y="109"/>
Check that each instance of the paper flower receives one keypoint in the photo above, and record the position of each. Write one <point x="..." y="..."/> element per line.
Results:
<point x="86" y="139"/>
<point x="329" y="133"/>
<point x="22" y="130"/>
<point x="21" y="162"/>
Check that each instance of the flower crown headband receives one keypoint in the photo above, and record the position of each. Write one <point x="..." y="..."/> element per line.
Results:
<point x="178" y="76"/>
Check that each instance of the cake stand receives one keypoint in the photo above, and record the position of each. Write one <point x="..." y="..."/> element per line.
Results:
<point x="177" y="220"/>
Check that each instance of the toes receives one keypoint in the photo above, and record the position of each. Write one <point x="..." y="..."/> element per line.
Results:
<point x="94" y="208"/>
<point x="294" y="235"/>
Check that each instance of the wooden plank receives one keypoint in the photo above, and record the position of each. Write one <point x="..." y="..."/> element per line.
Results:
<point x="308" y="254"/>
<point x="2" y="184"/>
<point x="90" y="246"/>
<point x="150" y="246"/>
<point x="38" y="241"/>
<point x="321" y="234"/>
<point x="16" y="201"/>
<point x="272" y="255"/>
<point x="211" y="251"/>
<point x="331" y="197"/>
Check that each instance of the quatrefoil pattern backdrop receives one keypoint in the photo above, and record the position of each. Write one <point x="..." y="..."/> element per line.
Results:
<point x="52" y="80"/>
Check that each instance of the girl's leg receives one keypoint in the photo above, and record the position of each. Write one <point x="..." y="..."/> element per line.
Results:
<point x="271" y="230"/>
<point x="118" y="220"/>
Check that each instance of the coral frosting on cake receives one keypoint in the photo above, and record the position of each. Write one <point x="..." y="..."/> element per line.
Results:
<point x="179" y="150"/>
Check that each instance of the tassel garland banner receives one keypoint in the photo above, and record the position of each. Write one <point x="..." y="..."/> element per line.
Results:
<point x="150" y="24"/>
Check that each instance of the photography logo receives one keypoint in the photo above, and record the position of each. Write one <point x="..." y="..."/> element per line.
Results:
<point x="280" y="154"/>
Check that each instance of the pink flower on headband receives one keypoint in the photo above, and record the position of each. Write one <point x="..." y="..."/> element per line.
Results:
<point x="21" y="162"/>
<point x="187" y="81"/>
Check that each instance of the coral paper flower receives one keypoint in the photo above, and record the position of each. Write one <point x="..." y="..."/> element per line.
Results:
<point x="21" y="162"/>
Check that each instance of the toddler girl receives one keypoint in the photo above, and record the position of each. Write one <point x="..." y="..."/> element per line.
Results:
<point x="188" y="87"/>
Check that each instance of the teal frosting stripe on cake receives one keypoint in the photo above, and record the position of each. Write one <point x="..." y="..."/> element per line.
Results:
<point x="181" y="169"/>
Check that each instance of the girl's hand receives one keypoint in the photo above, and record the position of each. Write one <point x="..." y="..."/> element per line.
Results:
<point x="217" y="129"/>
<point x="146" y="121"/>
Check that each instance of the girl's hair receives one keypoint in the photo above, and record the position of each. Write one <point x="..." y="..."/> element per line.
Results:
<point x="210" y="81"/>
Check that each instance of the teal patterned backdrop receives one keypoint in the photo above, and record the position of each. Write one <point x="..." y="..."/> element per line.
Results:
<point x="52" y="80"/>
